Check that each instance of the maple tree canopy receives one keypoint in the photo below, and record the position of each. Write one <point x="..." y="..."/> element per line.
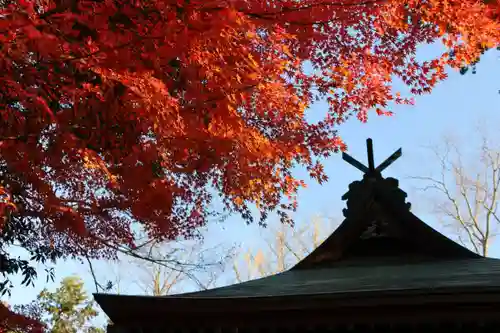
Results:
<point x="115" y="112"/>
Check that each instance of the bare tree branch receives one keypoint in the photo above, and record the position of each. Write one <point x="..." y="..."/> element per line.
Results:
<point x="467" y="194"/>
<point x="160" y="268"/>
<point x="285" y="246"/>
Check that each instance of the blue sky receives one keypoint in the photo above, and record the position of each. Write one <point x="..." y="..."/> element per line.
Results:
<point x="456" y="106"/>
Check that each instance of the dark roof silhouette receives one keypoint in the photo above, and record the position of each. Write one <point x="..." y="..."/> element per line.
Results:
<point x="381" y="250"/>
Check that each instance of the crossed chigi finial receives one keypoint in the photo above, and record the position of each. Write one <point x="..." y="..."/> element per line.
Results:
<point x="371" y="170"/>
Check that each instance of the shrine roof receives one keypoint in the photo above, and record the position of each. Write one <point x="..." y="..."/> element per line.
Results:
<point x="369" y="276"/>
<point x="351" y="285"/>
<point x="381" y="247"/>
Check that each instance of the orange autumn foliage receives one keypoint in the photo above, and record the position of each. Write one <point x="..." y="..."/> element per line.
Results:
<point x="114" y="112"/>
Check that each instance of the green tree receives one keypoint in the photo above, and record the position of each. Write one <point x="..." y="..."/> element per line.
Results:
<point x="66" y="310"/>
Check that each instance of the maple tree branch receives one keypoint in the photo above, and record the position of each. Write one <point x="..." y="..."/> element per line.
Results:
<point x="115" y="48"/>
<point x="94" y="277"/>
<point x="19" y="137"/>
<point x="266" y="15"/>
